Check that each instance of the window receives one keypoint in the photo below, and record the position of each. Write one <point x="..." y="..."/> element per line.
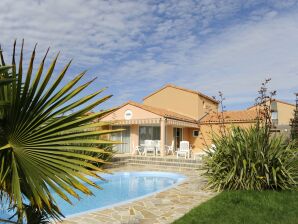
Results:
<point x="177" y="135"/>
<point x="274" y="118"/>
<point x="274" y="106"/>
<point x="123" y="136"/>
<point x="195" y="133"/>
<point x="274" y="115"/>
<point x="148" y="133"/>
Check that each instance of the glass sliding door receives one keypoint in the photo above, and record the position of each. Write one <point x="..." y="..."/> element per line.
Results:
<point x="148" y="133"/>
<point x="124" y="137"/>
<point x="177" y="134"/>
<point x="126" y="140"/>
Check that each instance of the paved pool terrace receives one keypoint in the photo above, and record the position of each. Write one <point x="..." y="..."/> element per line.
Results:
<point x="159" y="208"/>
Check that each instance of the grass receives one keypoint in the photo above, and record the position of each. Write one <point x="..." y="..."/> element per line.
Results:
<point x="246" y="207"/>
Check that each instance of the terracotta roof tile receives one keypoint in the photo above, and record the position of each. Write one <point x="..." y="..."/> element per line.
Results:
<point x="230" y="117"/>
<point x="161" y="112"/>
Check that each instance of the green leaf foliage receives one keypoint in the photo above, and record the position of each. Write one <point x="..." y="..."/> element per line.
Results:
<point x="248" y="159"/>
<point x="43" y="131"/>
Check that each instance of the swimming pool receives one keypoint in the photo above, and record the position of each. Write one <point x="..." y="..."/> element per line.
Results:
<point x="119" y="188"/>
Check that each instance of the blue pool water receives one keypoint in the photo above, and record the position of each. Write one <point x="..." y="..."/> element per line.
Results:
<point x="120" y="187"/>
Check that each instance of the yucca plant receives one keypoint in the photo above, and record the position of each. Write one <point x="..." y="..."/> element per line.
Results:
<point x="40" y="141"/>
<point x="244" y="160"/>
<point x="252" y="158"/>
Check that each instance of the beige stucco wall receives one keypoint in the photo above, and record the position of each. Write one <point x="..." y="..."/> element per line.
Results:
<point x="206" y="131"/>
<point x="193" y="140"/>
<point x="285" y="113"/>
<point x="180" y="101"/>
<point x="169" y="134"/>
<point x="137" y="112"/>
<point x="185" y="134"/>
<point x="206" y="106"/>
<point x="134" y="137"/>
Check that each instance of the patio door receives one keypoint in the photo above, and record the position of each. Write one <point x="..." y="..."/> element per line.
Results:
<point x="124" y="137"/>
<point x="177" y="136"/>
<point x="148" y="133"/>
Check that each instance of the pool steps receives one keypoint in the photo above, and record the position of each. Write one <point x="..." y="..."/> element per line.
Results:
<point x="122" y="160"/>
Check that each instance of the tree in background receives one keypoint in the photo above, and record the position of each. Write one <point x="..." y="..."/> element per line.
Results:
<point x="294" y="123"/>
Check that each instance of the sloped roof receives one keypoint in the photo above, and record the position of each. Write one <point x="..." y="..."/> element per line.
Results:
<point x="183" y="89"/>
<point x="275" y="100"/>
<point x="230" y="117"/>
<point x="161" y="112"/>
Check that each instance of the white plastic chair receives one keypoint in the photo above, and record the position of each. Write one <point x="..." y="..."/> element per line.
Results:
<point x="203" y="153"/>
<point x="157" y="146"/>
<point x="212" y="148"/>
<point x="149" y="147"/>
<point x="199" y="155"/>
<point x="138" y="149"/>
<point x="170" y="149"/>
<point x="184" y="149"/>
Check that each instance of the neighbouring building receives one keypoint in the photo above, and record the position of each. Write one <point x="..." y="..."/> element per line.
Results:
<point x="281" y="114"/>
<point x="172" y="114"/>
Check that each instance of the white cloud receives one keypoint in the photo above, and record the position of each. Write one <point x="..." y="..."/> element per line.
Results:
<point x="241" y="57"/>
<point x="84" y="30"/>
<point x="137" y="46"/>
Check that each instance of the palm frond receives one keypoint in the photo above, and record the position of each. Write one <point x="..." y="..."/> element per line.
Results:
<point x="41" y="146"/>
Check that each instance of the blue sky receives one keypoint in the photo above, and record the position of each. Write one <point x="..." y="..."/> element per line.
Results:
<point x="135" y="47"/>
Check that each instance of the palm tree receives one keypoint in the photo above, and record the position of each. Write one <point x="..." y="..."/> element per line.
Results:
<point x="41" y="147"/>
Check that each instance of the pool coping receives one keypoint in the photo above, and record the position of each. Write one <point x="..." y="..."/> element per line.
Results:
<point x="131" y="200"/>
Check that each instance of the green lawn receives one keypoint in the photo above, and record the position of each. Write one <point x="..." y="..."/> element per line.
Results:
<point x="251" y="207"/>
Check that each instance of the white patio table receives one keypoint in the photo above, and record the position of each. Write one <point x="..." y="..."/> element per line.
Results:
<point x="146" y="149"/>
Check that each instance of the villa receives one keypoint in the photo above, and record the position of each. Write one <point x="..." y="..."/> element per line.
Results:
<point x="173" y="114"/>
<point x="282" y="112"/>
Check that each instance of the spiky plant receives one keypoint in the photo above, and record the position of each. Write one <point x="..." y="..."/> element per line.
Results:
<point x="252" y="158"/>
<point x="40" y="146"/>
<point x="245" y="160"/>
<point x="294" y="123"/>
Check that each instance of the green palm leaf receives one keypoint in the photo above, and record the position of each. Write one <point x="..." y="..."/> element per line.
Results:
<point x="41" y="147"/>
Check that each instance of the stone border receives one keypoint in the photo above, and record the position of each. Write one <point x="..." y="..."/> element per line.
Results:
<point x="159" y="208"/>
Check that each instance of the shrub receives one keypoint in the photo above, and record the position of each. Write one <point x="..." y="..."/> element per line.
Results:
<point x="294" y="123"/>
<point x="248" y="159"/>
